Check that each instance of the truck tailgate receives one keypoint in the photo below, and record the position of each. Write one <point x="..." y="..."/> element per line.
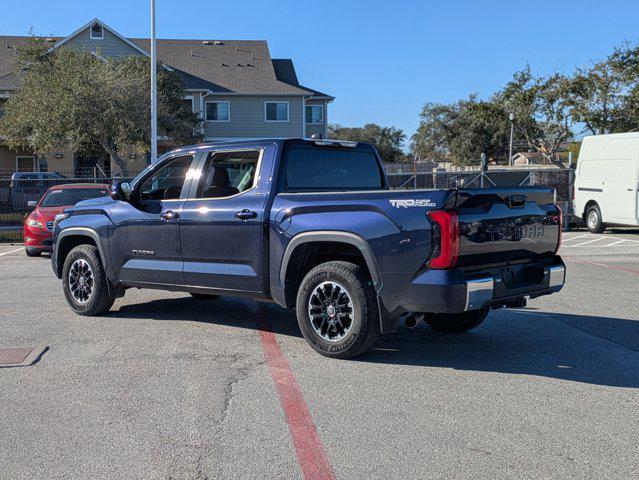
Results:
<point x="504" y="225"/>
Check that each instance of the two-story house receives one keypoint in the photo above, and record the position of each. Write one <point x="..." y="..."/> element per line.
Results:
<point x="234" y="85"/>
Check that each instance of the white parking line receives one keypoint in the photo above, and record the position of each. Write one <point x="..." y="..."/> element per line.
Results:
<point x="586" y="243"/>
<point x="615" y="243"/>
<point x="567" y="238"/>
<point x="11" y="251"/>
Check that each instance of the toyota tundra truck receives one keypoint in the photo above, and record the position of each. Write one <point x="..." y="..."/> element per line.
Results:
<point x="313" y="226"/>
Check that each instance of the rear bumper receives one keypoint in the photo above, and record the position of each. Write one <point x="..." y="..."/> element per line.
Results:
<point x="482" y="291"/>
<point x="456" y="291"/>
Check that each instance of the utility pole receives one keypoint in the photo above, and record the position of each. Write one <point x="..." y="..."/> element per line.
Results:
<point x="154" y="93"/>
<point x="511" y="117"/>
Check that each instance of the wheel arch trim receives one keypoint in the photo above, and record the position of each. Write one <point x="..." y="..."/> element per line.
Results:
<point x="335" y="236"/>
<point x="79" y="232"/>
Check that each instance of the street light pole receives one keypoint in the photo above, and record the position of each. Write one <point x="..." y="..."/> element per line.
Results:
<point x="511" y="117"/>
<point x="154" y="96"/>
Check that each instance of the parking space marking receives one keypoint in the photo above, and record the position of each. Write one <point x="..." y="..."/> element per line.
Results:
<point x="586" y="243"/>
<point x="596" y="264"/>
<point x="310" y="451"/>
<point x="11" y="251"/>
<point x="568" y="238"/>
<point x="615" y="242"/>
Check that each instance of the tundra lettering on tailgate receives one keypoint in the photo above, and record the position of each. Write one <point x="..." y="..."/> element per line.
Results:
<point x="506" y="231"/>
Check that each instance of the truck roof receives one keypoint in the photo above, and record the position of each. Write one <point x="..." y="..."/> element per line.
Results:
<point x="254" y="141"/>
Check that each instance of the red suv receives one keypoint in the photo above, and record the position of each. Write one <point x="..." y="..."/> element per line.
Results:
<point x="39" y="224"/>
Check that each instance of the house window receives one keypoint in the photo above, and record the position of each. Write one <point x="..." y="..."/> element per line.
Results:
<point x="43" y="163"/>
<point x="314" y="114"/>
<point x="218" y="112"/>
<point x="25" y="164"/>
<point x="188" y="104"/>
<point x="97" y="33"/>
<point x="276" y="111"/>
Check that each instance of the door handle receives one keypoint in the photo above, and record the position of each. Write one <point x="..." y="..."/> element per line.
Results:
<point x="170" y="215"/>
<point x="245" y="214"/>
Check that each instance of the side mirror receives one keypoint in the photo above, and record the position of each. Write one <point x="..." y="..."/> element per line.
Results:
<point x="32" y="204"/>
<point x="120" y="190"/>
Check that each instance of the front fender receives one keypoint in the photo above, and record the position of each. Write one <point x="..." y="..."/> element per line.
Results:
<point x="89" y="223"/>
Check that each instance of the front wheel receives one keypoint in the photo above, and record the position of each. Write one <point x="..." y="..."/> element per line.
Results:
<point x="456" y="322"/>
<point x="84" y="281"/>
<point x="337" y="311"/>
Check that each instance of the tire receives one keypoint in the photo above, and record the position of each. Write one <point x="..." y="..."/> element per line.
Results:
<point x="84" y="261"/>
<point x="456" y="322"/>
<point x="351" y="326"/>
<point x="594" y="222"/>
<point x="32" y="253"/>
<point x="204" y="296"/>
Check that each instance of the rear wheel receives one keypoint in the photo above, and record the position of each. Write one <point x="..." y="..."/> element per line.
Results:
<point x="204" y="296"/>
<point x="594" y="222"/>
<point x="456" y="322"/>
<point x="337" y="311"/>
<point x="84" y="281"/>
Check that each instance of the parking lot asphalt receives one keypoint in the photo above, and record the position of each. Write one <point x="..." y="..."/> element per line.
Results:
<point x="166" y="386"/>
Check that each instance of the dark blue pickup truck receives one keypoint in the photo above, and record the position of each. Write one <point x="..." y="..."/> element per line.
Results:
<point x="312" y="225"/>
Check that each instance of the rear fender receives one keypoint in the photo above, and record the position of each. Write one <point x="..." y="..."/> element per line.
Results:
<point x="387" y="323"/>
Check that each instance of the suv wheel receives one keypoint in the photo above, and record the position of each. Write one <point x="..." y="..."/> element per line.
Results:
<point x="456" y="322"/>
<point x="84" y="281"/>
<point x="337" y="311"/>
<point x="594" y="222"/>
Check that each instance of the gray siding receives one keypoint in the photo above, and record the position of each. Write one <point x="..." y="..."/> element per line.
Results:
<point x="247" y="118"/>
<point x="110" y="46"/>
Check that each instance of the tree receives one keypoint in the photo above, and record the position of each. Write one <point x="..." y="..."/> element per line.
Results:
<point x="462" y="131"/>
<point x="541" y="109"/>
<point x="605" y="95"/>
<point x="437" y="127"/>
<point x="387" y="140"/>
<point x="79" y="100"/>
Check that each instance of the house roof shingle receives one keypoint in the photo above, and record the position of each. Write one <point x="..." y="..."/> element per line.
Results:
<point x="221" y="66"/>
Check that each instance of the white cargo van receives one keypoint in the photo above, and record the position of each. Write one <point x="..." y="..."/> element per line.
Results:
<point x="607" y="181"/>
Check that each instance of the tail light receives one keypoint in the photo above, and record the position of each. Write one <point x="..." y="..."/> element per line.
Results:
<point x="561" y="226"/>
<point x="445" y="228"/>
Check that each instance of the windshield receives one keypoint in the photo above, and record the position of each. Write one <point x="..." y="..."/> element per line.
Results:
<point x="71" y="196"/>
<point x="331" y="170"/>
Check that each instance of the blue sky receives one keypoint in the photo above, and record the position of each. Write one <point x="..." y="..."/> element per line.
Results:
<point x="381" y="59"/>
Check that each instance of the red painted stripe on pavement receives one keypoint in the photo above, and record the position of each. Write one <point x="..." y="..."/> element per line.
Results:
<point x="595" y="264"/>
<point x="311" y="455"/>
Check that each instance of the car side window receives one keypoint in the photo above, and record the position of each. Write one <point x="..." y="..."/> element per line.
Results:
<point x="228" y="173"/>
<point x="165" y="183"/>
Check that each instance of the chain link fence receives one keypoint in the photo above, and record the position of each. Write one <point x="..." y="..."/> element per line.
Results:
<point x="561" y="180"/>
<point x="17" y="190"/>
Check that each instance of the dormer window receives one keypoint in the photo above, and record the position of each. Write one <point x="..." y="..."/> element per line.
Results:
<point x="97" y="33"/>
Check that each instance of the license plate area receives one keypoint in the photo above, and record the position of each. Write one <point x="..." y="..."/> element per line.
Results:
<point x="522" y="276"/>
